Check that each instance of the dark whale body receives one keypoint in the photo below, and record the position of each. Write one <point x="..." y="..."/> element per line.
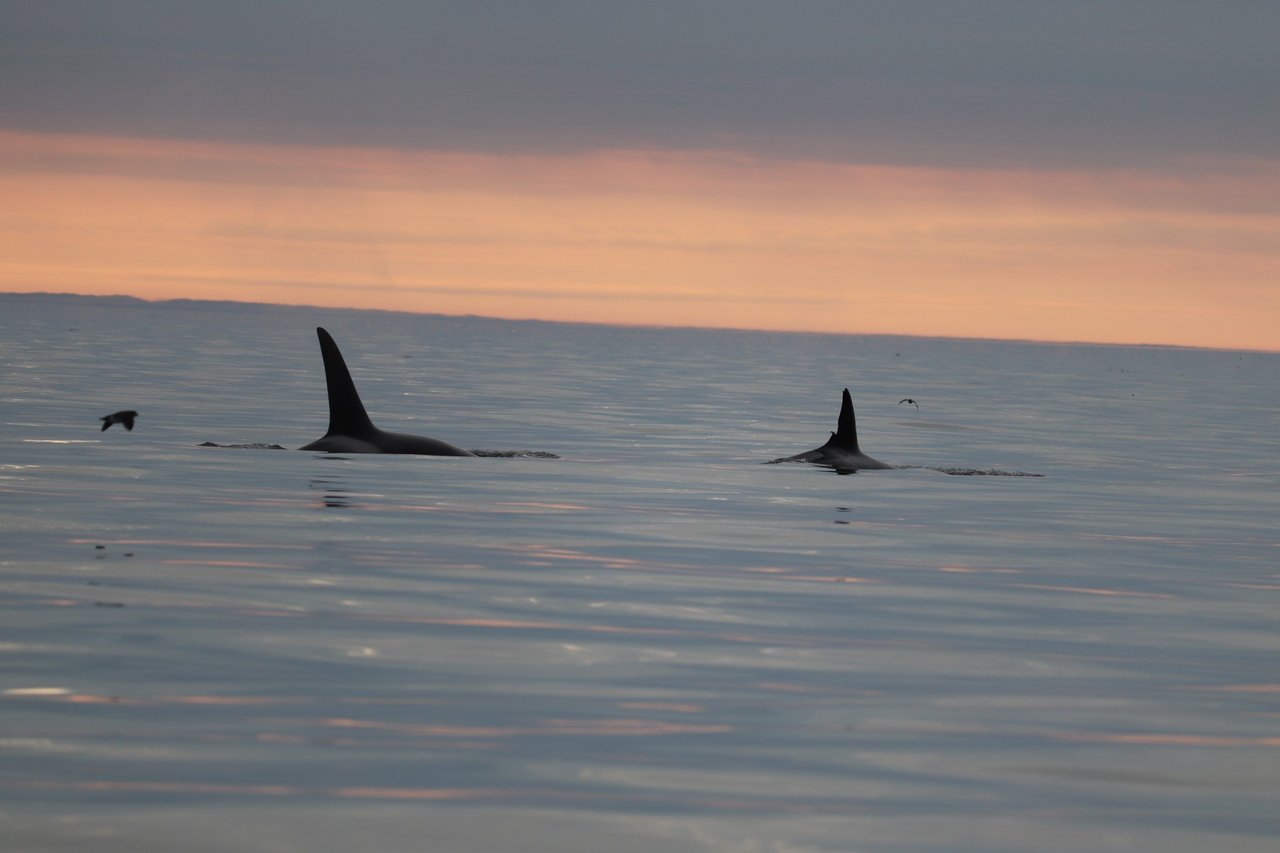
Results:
<point x="841" y="451"/>
<point x="350" y="430"/>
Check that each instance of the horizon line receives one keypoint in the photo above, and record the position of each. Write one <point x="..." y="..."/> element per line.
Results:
<point x="625" y="325"/>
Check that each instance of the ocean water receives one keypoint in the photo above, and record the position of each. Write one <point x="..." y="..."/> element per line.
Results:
<point x="653" y="642"/>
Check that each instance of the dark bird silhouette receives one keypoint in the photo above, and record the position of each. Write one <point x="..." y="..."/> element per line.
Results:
<point x="908" y="400"/>
<point x="125" y="417"/>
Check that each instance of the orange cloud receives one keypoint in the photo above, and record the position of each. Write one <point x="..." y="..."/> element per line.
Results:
<point x="674" y="238"/>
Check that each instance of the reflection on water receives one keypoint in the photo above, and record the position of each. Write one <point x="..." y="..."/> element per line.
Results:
<point x="335" y="494"/>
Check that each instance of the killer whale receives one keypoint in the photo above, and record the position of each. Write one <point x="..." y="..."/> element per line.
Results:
<point x="350" y="429"/>
<point x="841" y="451"/>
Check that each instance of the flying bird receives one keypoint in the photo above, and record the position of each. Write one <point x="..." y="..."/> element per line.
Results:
<point x="908" y="400"/>
<point x="124" y="417"/>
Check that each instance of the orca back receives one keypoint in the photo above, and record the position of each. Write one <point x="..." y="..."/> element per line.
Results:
<point x="350" y="428"/>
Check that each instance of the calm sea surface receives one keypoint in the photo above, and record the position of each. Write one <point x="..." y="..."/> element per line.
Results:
<point x="654" y="642"/>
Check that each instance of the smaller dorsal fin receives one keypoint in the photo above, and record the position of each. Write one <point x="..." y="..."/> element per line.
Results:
<point x="846" y="434"/>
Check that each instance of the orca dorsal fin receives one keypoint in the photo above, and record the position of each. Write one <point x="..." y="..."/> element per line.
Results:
<point x="346" y="413"/>
<point x="846" y="434"/>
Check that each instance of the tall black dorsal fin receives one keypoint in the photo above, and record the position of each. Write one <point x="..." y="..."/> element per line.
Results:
<point x="846" y="434"/>
<point x="346" y="413"/>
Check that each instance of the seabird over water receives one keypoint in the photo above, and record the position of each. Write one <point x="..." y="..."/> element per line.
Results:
<point x="123" y="417"/>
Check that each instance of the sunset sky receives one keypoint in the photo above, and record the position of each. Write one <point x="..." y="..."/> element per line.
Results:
<point x="1076" y="170"/>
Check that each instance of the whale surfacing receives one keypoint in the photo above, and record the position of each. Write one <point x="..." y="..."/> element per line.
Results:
<point x="350" y="430"/>
<point x="841" y="451"/>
